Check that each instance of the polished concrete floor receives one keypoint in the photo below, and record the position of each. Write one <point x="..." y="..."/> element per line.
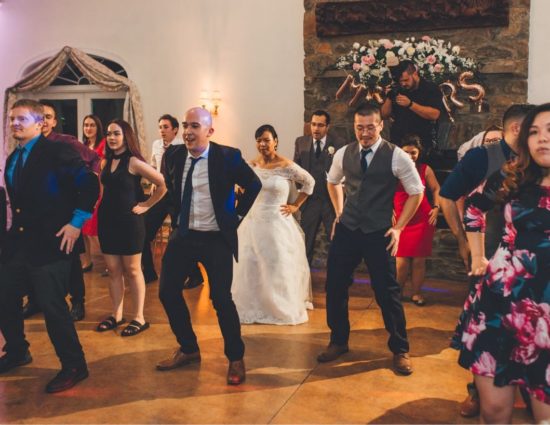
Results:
<point x="285" y="384"/>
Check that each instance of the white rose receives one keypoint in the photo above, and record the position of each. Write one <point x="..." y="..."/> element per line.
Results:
<point x="375" y="72"/>
<point x="390" y="54"/>
<point x="356" y="45"/>
<point x="330" y="150"/>
<point x="410" y="51"/>
<point x="456" y="50"/>
<point x="392" y="61"/>
<point x="362" y="49"/>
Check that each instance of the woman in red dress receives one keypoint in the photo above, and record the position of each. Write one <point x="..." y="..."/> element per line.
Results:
<point x="94" y="139"/>
<point x="415" y="243"/>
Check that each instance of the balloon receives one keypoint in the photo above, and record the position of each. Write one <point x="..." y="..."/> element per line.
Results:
<point x="345" y="84"/>
<point x="452" y="94"/>
<point x="465" y="85"/>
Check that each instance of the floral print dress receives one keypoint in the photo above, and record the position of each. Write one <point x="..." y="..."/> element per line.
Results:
<point x="504" y="329"/>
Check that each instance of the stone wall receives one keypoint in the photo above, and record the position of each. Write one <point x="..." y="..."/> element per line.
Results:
<point x="503" y="53"/>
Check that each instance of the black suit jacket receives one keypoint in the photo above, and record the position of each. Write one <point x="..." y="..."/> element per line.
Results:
<point x="226" y="168"/>
<point x="55" y="182"/>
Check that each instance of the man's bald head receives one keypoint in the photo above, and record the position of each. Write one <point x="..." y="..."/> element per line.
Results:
<point x="197" y="129"/>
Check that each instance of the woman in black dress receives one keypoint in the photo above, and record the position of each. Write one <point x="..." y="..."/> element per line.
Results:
<point x="503" y="333"/>
<point x="121" y="227"/>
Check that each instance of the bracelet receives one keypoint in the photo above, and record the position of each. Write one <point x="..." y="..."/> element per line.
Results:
<point x="410" y="104"/>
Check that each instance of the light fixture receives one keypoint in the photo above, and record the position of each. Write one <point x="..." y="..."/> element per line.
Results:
<point x="211" y="102"/>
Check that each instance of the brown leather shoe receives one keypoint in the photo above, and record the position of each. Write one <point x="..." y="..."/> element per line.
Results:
<point x="236" y="373"/>
<point x="332" y="352"/>
<point x="469" y="408"/>
<point x="179" y="359"/>
<point x="402" y="363"/>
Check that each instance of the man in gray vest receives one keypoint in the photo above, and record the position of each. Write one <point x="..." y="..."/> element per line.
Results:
<point x="371" y="167"/>
<point x="314" y="153"/>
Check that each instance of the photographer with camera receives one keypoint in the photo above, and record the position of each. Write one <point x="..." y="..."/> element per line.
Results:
<point x="414" y="104"/>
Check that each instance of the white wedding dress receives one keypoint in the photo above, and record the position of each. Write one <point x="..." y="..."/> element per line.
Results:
<point x="271" y="281"/>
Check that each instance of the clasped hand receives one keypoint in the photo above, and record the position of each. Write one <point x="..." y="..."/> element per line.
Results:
<point x="288" y="209"/>
<point x="402" y="100"/>
<point x="140" y="208"/>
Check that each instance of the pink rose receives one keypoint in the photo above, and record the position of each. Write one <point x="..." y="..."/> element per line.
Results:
<point x="542" y="332"/>
<point x="426" y="38"/>
<point x="476" y="217"/>
<point x="370" y="60"/>
<point x="438" y="67"/>
<point x="431" y="59"/>
<point x="544" y="202"/>
<point x="524" y="354"/>
<point x="356" y="67"/>
<point x="474" y="329"/>
<point x="510" y="231"/>
<point x="485" y="365"/>
<point x="506" y="268"/>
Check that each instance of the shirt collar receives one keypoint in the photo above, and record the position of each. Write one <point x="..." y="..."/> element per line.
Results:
<point x="30" y="144"/>
<point x="373" y="148"/>
<point x="506" y="149"/>
<point x="204" y="154"/>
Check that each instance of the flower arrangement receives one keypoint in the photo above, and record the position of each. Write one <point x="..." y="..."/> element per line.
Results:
<point x="437" y="61"/>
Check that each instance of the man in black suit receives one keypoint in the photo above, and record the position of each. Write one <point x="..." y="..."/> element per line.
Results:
<point x="201" y="177"/>
<point x="52" y="193"/>
<point x="314" y="153"/>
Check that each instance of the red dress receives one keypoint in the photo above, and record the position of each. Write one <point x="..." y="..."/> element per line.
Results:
<point x="416" y="238"/>
<point x="90" y="227"/>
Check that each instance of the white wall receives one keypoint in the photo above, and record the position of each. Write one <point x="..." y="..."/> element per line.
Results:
<point x="250" y="50"/>
<point x="539" y="59"/>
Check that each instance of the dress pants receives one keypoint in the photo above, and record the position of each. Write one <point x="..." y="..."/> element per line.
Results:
<point x="180" y="258"/>
<point x="154" y="218"/>
<point x="315" y="210"/>
<point x="346" y="251"/>
<point x="50" y="283"/>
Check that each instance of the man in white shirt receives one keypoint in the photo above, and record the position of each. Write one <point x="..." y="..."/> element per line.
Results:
<point x="168" y="130"/>
<point x="363" y="230"/>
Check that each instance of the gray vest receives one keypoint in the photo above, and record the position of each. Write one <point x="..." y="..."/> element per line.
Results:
<point x="317" y="168"/>
<point x="369" y="195"/>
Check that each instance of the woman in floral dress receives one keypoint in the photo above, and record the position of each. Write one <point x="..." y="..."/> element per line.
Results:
<point x="503" y="333"/>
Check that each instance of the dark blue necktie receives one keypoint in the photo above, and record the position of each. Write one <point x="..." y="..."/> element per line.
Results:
<point x="317" y="148"/>
<point x="364" y="153"/>
<point x="18" y="170"/>
<point x="186" y="199"/>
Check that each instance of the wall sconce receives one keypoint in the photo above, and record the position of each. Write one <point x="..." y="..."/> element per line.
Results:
<point x="211" y="102"/>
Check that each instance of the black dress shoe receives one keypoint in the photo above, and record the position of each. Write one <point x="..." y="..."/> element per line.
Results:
<point x="9" y="362"/>
<point x="67" y="378"/>
<point x="193" y="282"/>
<point x="77" y="311"/>
<point x="30" y="309"/>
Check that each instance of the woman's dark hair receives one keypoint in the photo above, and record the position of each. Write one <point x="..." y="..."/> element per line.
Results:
<point x="263" y="128"/>
<point x="100" y="135"/>
<point x="129" y="137"/>
<point x="412" y="140"/>
<point x="523" y="171"/>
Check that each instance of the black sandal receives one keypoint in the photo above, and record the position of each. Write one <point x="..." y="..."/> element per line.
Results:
<point x="133" y="328"/>
<point x="108" y="324"/>
<point x="418" y="300"/>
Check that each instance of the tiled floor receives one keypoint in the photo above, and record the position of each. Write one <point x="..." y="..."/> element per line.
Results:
<point x="285" y="384"/>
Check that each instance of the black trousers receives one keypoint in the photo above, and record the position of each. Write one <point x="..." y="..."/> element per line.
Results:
<point x="315" y="211"/>
<point x="154" y="218"/>
<point x="180" y="258"/>
<point x="77" y="288"/>
<point x="50" y="284"/>
<point x="346" y="251"/>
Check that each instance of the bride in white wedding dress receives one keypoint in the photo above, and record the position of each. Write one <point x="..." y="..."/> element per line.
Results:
<point x="271" y="281"/>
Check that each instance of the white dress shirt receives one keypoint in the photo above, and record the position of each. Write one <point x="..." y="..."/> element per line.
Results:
<point x="201" y="215"/>
<point x="157" y="150"/>
<point x="322" y="144"/>
<point x="402" y="167"/>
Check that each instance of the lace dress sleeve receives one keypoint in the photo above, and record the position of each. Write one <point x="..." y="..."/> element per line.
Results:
<point x="298" y="175"/>
<point x="480" y="201"/>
